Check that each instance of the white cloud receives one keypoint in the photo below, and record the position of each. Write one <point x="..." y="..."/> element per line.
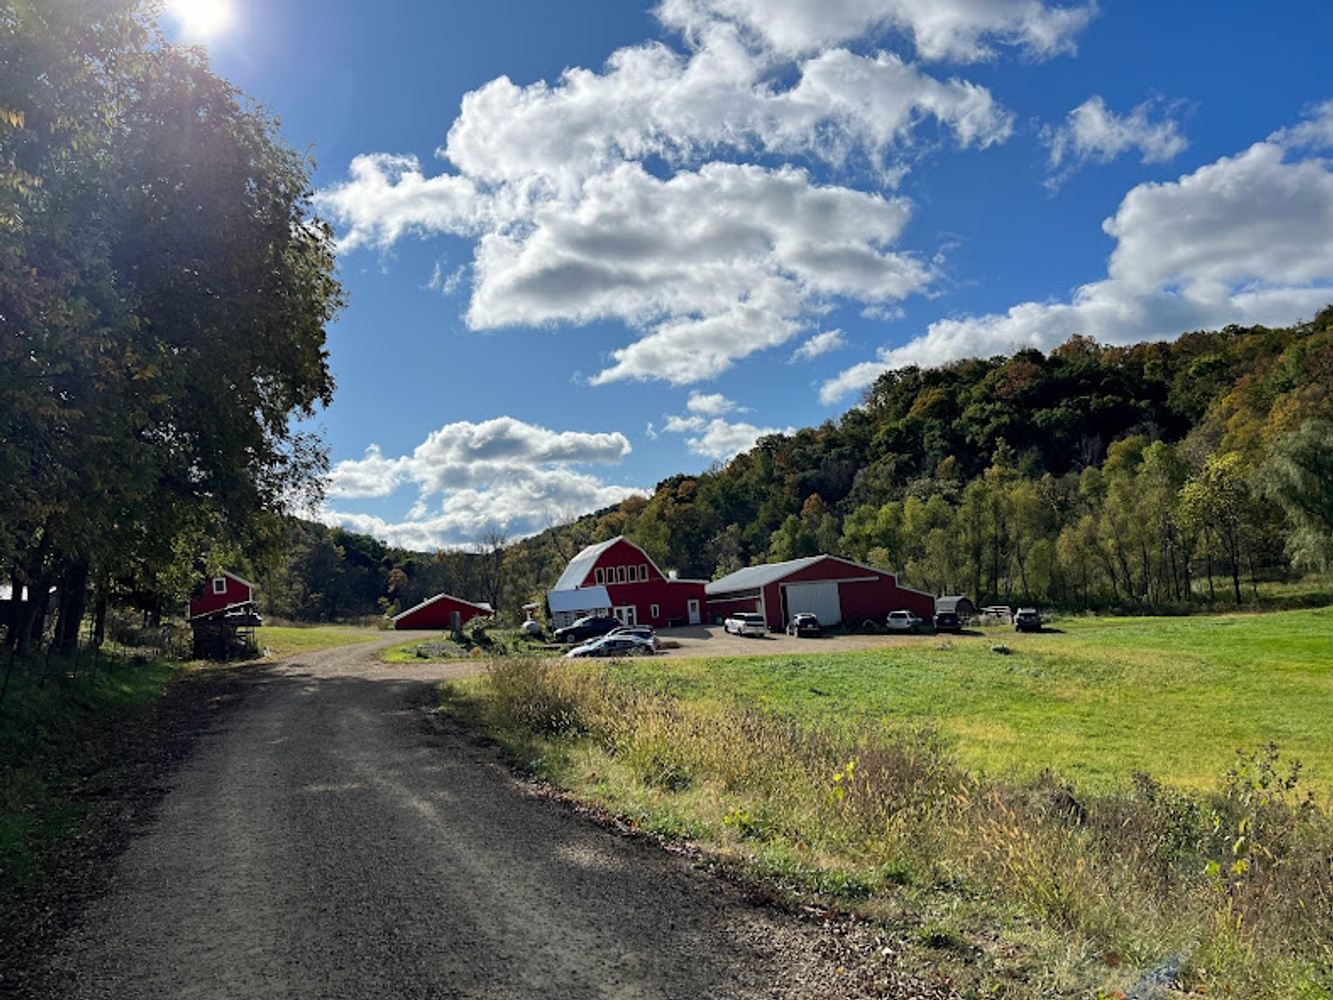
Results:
<point x="1246" y="239"/>
<point x="713" y="436"/>
<point x="616" y="194"/>
<point x="372" y="475"/>
<point x="387" y="196"/>
<point x="712" y="404"/>
<point x="705" y="288"/>
<point x="960" y="30"/>
<point x="1094" y="134"/>
<point x="722" y="440"/>
<point x="1314" y="132"/>
<point x="499" y="473"/>
<point x="820" y="343"/>
<point x="653" y="101"/>
<point x="677" y="424"/>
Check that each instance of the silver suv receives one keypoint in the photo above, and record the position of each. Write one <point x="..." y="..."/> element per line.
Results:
<point x="903" y="621"/>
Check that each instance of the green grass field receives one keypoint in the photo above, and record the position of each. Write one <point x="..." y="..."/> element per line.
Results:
<point x="809" y="772"/>
<point x="1095" y="701"/>
<point x="288" y="640"/>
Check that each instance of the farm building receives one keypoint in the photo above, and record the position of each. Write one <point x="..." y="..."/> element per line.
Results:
<point x="833" y="589"/>
<point x="960" y="606"/>
<point x="223" y="617"/>
<point x="219" y="592"/>
<point x="617" y="577"/>
<point x="438" y="613"/>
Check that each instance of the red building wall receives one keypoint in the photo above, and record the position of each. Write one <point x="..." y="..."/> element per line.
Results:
<point x="204" y="600"/>
<point x="438" y="614"/>
<point x="861" y="596"/>
<point x="672" y="597"/>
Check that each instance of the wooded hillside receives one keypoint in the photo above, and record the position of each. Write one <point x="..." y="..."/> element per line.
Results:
<point x="1145" y="477"/>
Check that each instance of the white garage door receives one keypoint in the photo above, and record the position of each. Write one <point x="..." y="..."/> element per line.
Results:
<point x="818" y="599"/>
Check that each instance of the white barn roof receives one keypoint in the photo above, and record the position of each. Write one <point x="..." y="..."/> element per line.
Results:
<point x="753" y="577"/>
<point x="578" y="599"/>
<point x="579" y="567"/>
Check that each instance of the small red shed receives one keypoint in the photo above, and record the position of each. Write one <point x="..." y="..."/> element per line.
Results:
<point x="437" y="613"/>
<point x="619" y="577"/>
<point x="831" y="588"/>
<point x="221" y="591"/>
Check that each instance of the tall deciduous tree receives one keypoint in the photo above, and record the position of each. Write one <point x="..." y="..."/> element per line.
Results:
<point x="164" y="291"/>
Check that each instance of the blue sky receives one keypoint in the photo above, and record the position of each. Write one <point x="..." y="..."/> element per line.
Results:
<point x="676" y="226"/>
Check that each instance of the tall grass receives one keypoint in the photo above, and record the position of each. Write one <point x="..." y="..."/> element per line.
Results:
<point x="1233" y="889"/>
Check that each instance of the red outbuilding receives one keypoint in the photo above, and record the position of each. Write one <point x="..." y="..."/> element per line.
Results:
<point x="437" y="613"/>
<point x="831" y="588"/>
<point x="223" y="591"/>
<point x="618" y="577"/>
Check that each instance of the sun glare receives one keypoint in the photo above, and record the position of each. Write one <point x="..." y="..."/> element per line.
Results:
<point x="201" y="20"/>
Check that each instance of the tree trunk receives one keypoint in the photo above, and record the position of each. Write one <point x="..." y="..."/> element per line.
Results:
<point x="99" y="618"/>
<point x="73" y="600"/>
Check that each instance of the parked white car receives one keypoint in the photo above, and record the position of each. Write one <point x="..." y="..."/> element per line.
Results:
<point x="645" y="632"/>
<point x="903" y="621"/>
<point x="613" y="645"/>
<point x="746" y="623"/>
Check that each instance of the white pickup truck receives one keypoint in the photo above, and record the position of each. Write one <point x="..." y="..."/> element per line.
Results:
<point x="746" y="623"/>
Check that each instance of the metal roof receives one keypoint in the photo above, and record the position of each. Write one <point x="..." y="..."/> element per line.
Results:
<point x="753" y="577"/>
<point x="581" y="565"/>
<point x="951" y="602"/>
<point x="578" y="599"/>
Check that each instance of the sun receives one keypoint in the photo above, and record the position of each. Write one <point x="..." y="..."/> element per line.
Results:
<point x="201" y="20"/>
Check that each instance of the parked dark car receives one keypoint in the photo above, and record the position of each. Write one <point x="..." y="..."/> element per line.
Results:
<point x="948" y="621"/>
<point x="805" y="626"/>
<point x="586" y="628"/>
<point x="1027" y="620"/>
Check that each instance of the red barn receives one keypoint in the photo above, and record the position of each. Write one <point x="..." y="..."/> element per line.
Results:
<point x="619" y="577"/>
<point x="832" y="589"/>
<point x="223" y="591"/>
<point x="437" y="613"/>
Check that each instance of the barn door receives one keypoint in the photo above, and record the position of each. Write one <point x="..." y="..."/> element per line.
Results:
<point x="818" y="599"/>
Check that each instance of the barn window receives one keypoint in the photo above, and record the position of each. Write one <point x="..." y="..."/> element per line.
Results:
<point x="620" y="574"/>
<point x="601" y="575"/>
<point x="657" y="612"/>
<point x="643" y="571"/>
<point x="219" y="584"/>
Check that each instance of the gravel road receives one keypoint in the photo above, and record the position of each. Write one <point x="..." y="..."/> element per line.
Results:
<point x="322" y="839"/>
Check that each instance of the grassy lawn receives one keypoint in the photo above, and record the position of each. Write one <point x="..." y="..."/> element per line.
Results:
<point x="1096" y="701"/>
<point x="57" y="742"/>
<point x="442" y="647"/>
<point x="288" y="640"/>
<point x="812" y="773"/>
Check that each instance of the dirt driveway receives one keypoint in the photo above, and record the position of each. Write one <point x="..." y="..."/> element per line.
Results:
<point x="711" y="640"/>
<point x="328" y="838"/>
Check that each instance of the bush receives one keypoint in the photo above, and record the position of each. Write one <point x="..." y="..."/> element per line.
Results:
<point x="527" y="694"/>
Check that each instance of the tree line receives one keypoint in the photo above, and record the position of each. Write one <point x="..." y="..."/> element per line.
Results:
<point x="164" y="292"/>
<point x="1150" y="477"/>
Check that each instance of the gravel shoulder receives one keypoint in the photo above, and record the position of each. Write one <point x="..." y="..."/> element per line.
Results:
<point x="325" y="838"/>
